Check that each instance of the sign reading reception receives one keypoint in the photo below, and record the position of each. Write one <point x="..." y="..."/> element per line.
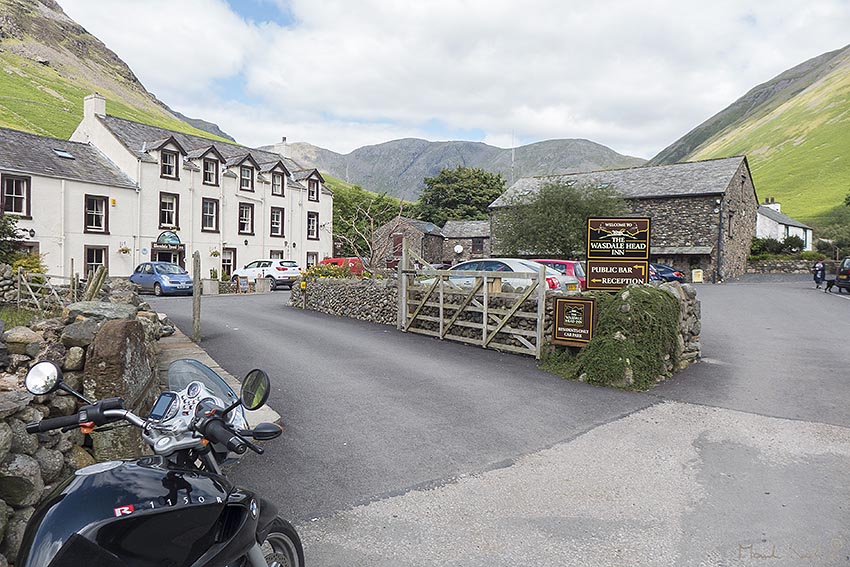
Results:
<point x="617" y="252"/>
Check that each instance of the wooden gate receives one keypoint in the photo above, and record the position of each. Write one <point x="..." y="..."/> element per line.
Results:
<point x="44" y="292"/>
<point x="478" y="308"/>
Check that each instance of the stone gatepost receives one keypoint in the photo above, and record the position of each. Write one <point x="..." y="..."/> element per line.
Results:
<point x="119" y="364"/>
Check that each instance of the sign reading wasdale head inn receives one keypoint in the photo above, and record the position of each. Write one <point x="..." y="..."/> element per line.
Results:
<point x="617" y="252"/>
<point x="574" y="319"/>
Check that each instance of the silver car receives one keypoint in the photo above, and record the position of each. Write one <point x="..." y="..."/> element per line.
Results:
<point x="554" y="279"/>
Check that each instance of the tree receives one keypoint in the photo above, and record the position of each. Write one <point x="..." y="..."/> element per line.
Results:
<point x="356" y="213"/>
<point x="463" y="193"/>
<point x="9" y="235"/>
<point x="553" y="222"/>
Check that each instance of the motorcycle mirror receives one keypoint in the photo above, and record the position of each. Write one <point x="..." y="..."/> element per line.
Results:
<point x="255" y="389"/>
<point x="44" y="377"/>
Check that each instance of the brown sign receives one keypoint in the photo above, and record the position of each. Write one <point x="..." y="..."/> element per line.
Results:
<point x="574" y="320"/>
<point x="616" y="274"/>
<point x="618" y="238"/>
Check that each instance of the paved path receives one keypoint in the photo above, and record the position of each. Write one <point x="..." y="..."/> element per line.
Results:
<point x="741" y="460"/>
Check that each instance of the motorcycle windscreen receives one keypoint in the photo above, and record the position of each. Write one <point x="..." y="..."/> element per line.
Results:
<point x="185" y="370"/>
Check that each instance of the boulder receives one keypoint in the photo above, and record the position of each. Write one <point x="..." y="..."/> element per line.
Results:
<point x="51" y="351"/>
<point x="13" y="402"/>
<point x="4" y="355"/>
<point x="62" y="405"/>
<point x="51" y="463"/>
<point x="22" y="340"/>
<point x="74" y="358"/>
<point x="20" y="480"/>
<point x="5" y="440"/>
<point x="125" y="296"/>
<point x="15" y="533"/>
<point x="9" y="383"/>
<point x="22" y="442"/>
<point x="77" y="458"/>
<point x="99" y="310"/>
<point x="81" y="333"/>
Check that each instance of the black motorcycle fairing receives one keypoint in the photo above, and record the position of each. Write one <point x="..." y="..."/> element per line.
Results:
<point x="268" y="512"/>
<point x="236" y="533"/>
<point x="137" y="513"/>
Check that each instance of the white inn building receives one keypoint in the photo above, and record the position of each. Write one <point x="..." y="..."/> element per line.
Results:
<point x="120" y="192"/>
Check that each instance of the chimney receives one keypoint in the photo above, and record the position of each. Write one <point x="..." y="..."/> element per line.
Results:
<point x="92" y="105"/>
<point x="280" y="147"/>
<point x="771" y="203"/>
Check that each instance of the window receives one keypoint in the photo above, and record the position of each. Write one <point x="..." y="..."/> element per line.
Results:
<point x="228" y="260"/>
<point x="169" y="210"/>
<point x="209" y="215"/>
<point x="16" y="195"/>
<point x="276" y="254"/>
<point x="312" y="258"/>
<point x="210" y="172"/>
<point x="246" y="178"/>
<point x="277" y="184"/>
<point x="95" y="257"/>
<point x="65" y="154"/>
<point x="97" y="215"/>
<point x="276" y="223"/>
<point x="168" y="164"/>
<point x="246" y="218"/>
<point x="478" y="245"/>
<point x="312" y="189"/>
<point x="312" y="225"/>
<point x="398" y="244"/>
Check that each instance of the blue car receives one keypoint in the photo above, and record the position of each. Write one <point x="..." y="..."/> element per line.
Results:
<point x="162" y="278"/>
<point x="665" y="273"/>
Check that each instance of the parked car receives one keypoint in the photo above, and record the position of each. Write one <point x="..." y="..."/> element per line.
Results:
<point x="567" y="267"/>
<point x="665" y="273"/>
<point x="842" y="275"/>
<point x="162" y="278"/>
<point x="354" y="264"/>
<point x="279" y="272"/>
<point x="554" y="278"/>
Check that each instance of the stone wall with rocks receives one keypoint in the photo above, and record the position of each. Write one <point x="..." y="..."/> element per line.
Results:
<point x="374" y="300"/>
<point x="32" y="465"/>
<point x="788" y="267"/>
<point x="377" y="301"/>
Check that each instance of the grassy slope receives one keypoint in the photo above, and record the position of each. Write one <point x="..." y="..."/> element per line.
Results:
<point x="35" y="98"/>
<point x="800" y="152"/>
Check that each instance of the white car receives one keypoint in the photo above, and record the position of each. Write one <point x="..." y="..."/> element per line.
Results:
<point x="278" y="272"/>
<point x="554" y="279"/>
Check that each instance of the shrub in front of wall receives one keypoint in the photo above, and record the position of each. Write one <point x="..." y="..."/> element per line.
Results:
<point x="326" y="271"/>
<point x="634" y="342"/>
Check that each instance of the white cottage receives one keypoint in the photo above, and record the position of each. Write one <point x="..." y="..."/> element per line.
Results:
<point x="771" y="223"/>
<point x="121" y="192"/>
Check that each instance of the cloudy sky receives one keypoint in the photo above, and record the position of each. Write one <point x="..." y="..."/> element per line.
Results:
<point x="634" y="76"/>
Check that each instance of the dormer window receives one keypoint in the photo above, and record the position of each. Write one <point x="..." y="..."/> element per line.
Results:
<point x="210" y="171"/>
<point x="277" y="184"/>
<point x="246" y="178"/>
<point x="168" y="164"/>
<point x="312" y="189"/>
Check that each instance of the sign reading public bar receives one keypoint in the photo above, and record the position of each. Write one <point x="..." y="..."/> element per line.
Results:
<point x="617" y="252"/>
<point x="574" y="320"/>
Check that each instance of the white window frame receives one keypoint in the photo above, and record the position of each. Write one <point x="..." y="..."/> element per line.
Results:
<point x="93" y="213"/>
<point x="212" y="216"/>
<point x="246" y="182"/>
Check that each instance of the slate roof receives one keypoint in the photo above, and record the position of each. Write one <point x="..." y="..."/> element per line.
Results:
<point x="780" y="218"/>
<point x="709" y="177"/>
<point x="138" y="138"/>
<point x="25" y="153"/>
<point x="423" y="226"/>
<point x="467" y="229"/>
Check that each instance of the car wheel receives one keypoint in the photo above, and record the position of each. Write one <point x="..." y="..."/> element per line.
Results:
<point x="157" y="289"/>
<point x="272" y="284"/>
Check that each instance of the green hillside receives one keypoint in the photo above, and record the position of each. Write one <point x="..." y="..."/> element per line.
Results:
<point x="48" y="64"/>
<point x="798" y="149"/>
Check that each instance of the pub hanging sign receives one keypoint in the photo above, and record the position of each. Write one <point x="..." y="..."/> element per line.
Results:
<point x="575" y="318"/>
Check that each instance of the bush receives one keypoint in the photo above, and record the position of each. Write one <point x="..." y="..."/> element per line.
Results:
<point x="764" y="246"/>
<point x="632" y="340"/>
<point x="793" y="244"/>
<point x="33" y="263"/>
<point x="326" y="271"/>
<point x="812" y="255"/>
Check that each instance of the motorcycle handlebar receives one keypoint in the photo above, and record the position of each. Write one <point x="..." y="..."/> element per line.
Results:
<point x="53" y="423"/>
<point x="216" y="431"/>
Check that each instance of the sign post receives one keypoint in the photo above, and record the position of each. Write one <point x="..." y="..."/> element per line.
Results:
<point x="617" y="252"/>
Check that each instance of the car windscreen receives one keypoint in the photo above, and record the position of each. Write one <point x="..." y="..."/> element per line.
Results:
<point x="169" y="269"/>
<point x="289" y="263"/>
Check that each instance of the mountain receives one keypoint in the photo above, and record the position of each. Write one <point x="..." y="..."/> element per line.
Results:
<point x="50" y="63"/>
<point x="795" y="131"/>
<point x="398" y="167"/>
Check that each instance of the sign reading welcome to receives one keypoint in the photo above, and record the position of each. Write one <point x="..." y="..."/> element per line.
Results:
<point x="617" y="252"/>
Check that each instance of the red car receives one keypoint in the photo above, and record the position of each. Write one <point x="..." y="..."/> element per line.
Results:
<point x="353" y="264"/>
<point x="568" y="268"/>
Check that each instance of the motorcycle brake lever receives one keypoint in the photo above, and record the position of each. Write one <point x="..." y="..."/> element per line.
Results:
<point x="255" y="448"/>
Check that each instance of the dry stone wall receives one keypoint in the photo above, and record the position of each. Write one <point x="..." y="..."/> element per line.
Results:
<point x="33" y="465"/>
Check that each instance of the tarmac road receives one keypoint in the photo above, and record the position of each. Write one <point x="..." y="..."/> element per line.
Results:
<point x="410" y="451"/>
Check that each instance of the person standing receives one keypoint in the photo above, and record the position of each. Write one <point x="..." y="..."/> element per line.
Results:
<point x="819" y="271"/>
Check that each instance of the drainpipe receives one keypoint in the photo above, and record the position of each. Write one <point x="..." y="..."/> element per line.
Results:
<point x="719" y="273"/>
<point x="137" y="248"/>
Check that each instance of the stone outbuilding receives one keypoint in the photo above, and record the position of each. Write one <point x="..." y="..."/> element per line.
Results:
<point x="466" y="240"/>
<point x="703" y="213"/>
<point x="424" y="238"/>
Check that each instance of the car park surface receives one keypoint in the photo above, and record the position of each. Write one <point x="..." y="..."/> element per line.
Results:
<point x="278" y="271"/>
<point x="162" y="278"/>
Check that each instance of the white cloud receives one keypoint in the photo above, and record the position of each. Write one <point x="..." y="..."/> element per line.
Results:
<point x="633" y="76"/>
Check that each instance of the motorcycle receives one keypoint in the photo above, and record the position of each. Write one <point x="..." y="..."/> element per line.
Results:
<point x="172" y="508"/>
